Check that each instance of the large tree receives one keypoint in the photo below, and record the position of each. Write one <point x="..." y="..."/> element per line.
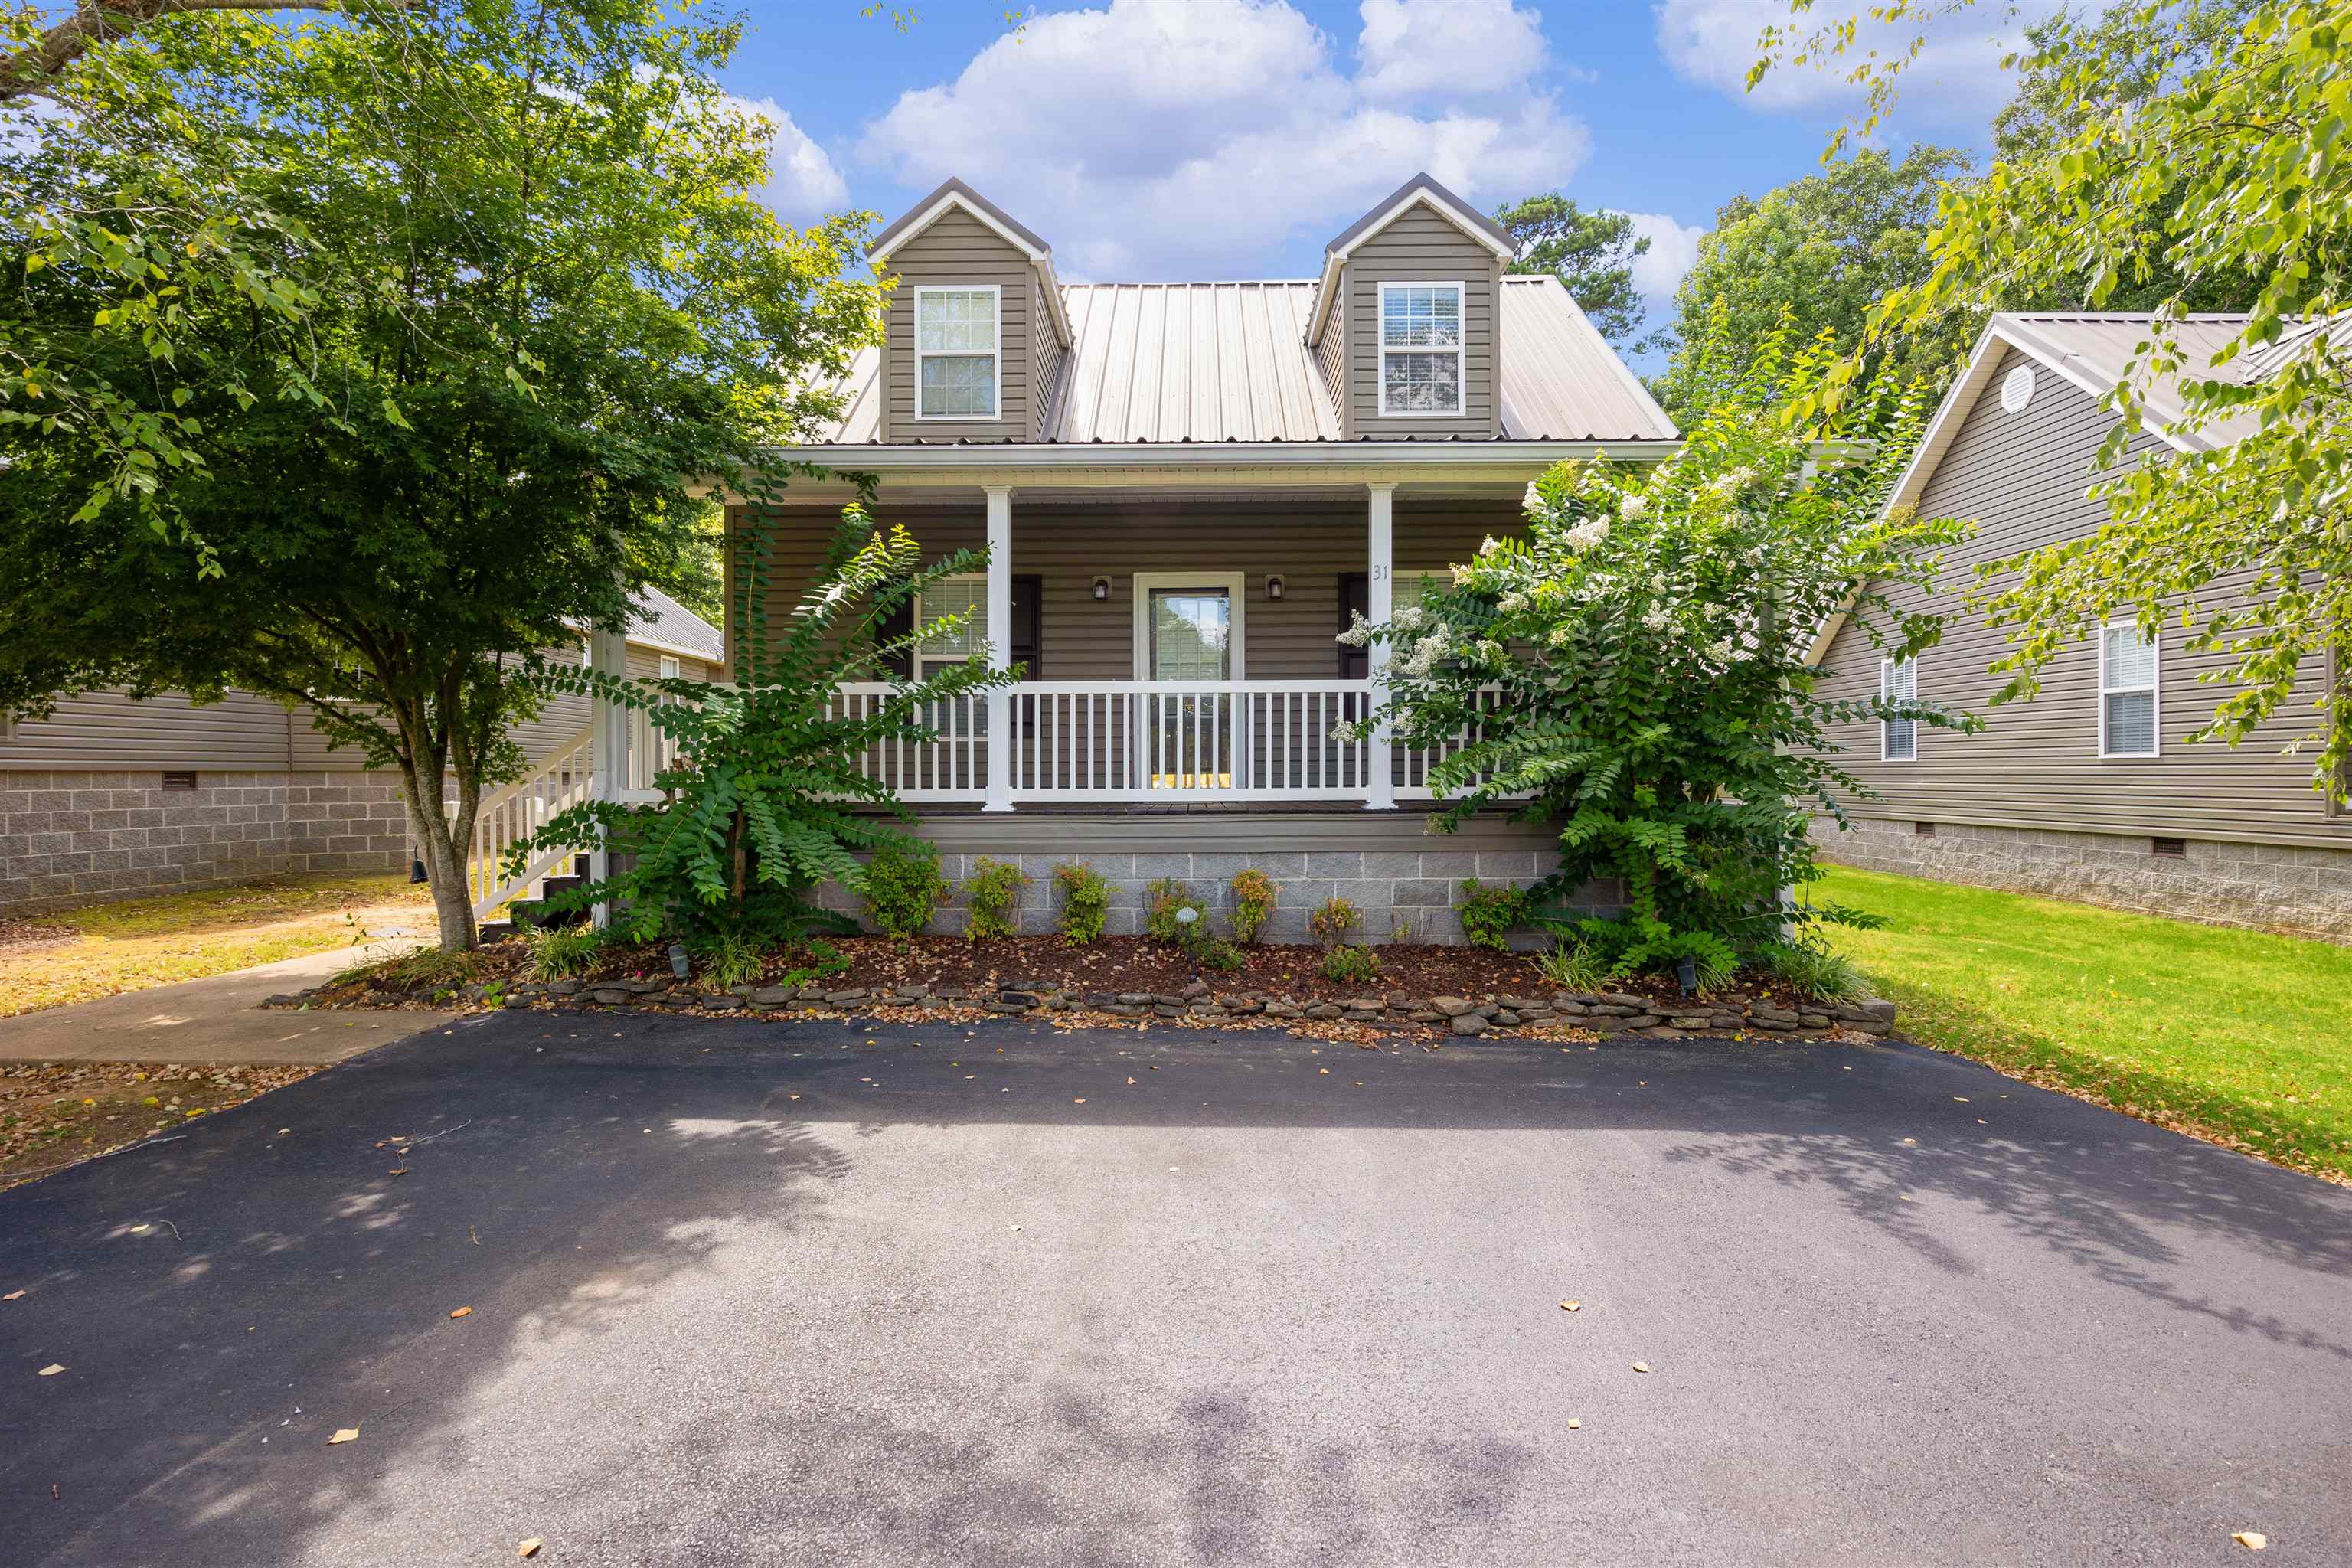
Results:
<point x="1592" y="253"/>
<point x="1816" y="254"/>
<point x="536" y="302"/>
<point x="2171" y="156"/>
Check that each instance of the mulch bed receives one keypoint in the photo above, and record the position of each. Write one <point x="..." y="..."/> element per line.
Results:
<point x="55" y="1114"/>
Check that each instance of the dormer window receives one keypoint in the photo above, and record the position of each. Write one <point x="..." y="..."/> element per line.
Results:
<point x="955" y="353"/>
<point x="1421" y="348"/>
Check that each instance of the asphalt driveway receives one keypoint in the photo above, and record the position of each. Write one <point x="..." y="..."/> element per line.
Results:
<point x="745" y="1294"/>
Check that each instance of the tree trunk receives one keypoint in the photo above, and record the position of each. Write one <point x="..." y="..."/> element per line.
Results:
<point x="441" y="843"/>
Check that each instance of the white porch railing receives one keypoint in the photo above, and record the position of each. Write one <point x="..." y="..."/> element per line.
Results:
<point x="561" y="782"/>
<point x="1414" y="763"/>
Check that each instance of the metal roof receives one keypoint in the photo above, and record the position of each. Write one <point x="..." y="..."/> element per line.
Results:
<point x="2093" y="350"/>
<point x="1228" y="362"/>
<point x="662" y="622"/>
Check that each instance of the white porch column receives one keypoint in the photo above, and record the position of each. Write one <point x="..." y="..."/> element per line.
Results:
<point x="1380" y="787"/>
<point x="1000" y="644"/>
<point x="608" y="730"/>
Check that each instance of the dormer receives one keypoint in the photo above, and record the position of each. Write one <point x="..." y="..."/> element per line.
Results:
<point x="1407" y="328"/>
<point x="976" y="332"/>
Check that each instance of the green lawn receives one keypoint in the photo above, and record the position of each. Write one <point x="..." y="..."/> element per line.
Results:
<point x="2232" y="1035"/>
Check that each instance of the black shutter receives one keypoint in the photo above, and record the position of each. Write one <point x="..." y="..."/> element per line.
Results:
<point x="1355" y="599"/>
<point x="897" y="624"/>
<point x="1027" y="623"/>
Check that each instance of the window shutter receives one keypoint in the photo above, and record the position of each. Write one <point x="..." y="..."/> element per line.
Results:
<point x="1355" y="599"/>
<point x="1028" y="593"/>
<point x="897" y="624"/>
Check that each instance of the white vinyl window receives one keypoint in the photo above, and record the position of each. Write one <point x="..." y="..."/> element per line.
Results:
<point x="1898" y="739"/>
<point x="2126" y="692"/>
<point x="669" y="667"/>
<point x="966" y="596"/>
<point x="955" y="353"/>
<point x="1421" y="348"/>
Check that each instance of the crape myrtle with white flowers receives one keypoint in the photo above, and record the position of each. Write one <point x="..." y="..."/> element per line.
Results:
<point x="1634" y="670"/>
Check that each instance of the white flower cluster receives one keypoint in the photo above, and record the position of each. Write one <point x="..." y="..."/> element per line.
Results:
<point x="1359" y="632"/>
<point x="1632" y="507"/>
<point x="1427" y="653"/>
<point x="1584" y="535"/>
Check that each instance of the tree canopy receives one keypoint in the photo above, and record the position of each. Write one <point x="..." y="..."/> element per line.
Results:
<point x="517" y="299"/>
<point x="1592" y="253"/>
<point x="1819" y="251"/>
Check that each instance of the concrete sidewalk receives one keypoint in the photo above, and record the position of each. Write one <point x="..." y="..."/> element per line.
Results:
<point x="216" y="1019"/>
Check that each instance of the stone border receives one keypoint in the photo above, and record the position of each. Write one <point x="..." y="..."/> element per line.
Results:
<point x="1603" y="1013"/>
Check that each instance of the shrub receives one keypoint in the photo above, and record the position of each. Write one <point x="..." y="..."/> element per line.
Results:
<point x="1812" y="970"/>
<point x="730" y="958"/>
<point x="424" y="969"/>
<point x="768" y="796"/>
<point x="1253" y="900"/>
<point x="903" y="887"/>
<point x="561" y="954"/>
<point x="1348" y="965"/>
<point x="1489" y="914"/>
<point x="1335" y="922"/>
<point x="1219" y="954"/>
<point x="1636" y="672"/>
<point x="990" y="893"/>
<point x="1085" y="895"/>
<point x="1164" y="903"/>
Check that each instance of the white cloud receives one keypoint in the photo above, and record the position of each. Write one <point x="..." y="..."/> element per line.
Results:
<point x="1956" y="77"/>
<point x="1409" y="48"/>
<point x="1166" y="138"/>
<point x="803" y="184"/>
<point x="1674" y="251"/>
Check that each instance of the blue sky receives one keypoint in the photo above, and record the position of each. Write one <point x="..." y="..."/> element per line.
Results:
<point x="1152" y="138"/>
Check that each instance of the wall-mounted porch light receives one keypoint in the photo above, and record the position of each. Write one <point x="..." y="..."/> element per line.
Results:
<point x="1274" y="585"/>
<point x="1102" y="587"/>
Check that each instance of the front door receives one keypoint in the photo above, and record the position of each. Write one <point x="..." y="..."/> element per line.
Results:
<point x="1189" y="637"/>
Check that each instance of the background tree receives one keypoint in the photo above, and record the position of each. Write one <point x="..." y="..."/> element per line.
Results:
<point x="1590" y="252"/>
<point x="2171" y="154"/>
<point x="1819" y="251"/>
<point x="539" y="302"/>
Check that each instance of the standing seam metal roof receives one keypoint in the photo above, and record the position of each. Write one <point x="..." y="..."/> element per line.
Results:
<point x="1228" y="362"/>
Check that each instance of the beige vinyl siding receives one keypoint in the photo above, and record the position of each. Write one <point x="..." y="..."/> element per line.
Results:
<point x="110" y="729"/>
<point x="958" y="249"/>
<point x="2024" y="477"/>
<point x="1421" y="247"/>
<point x="1310" y="544"/>
<point x="1044" y="360"/>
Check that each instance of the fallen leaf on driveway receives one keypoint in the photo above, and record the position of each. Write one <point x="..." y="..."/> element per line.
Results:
<point x="1641" y="1366"/>
<point x="1077" y="1103"/>
<point x="2251" y="1539"/>
<point x="12" y="1296"/>
<point x="344" y="1435"/>
<point x="1571" y="1306"/>
<point x="529" y="1548"/>
<point x="1574" y="1425"/>
<point x="461" y="1312"/>
<point x="52" y="1369"/>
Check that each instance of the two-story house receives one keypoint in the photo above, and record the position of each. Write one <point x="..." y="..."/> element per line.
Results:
<point x="1185" y="489"/>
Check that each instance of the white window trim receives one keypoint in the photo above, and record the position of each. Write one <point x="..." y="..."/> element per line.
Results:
<point x="1461" y="351"/>
<point x="1237" y="588"/>
<point x="1886" y="668"/>
<point x="978" y="601"/>
<point x="2155" y="688"/>
<point x="995" y="291"/>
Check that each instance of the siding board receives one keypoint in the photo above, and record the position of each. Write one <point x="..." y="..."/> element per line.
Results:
<point x="1421" y="247"/>
<point x="959" y="249"/>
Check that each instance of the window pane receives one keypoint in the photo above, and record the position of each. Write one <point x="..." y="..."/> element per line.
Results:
<point x="960" y="383"/>
<point x="2131" y="658"/>
<point x="1902" y="740"/>
<point x="1189" y="628"/>
<point x="1903" y="681"/>
<point x="957" y="595"/>
<point x="2131" y="723"/>
<point x="957" y="321"/>
<point x="1421" y="317"/>
<point x="1421" y="383"/>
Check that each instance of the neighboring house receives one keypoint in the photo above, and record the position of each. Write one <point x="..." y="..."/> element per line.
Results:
<point x="2089" y="791"/>
<point x="1186" y="488"/>
<point x="111" y="798"/>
